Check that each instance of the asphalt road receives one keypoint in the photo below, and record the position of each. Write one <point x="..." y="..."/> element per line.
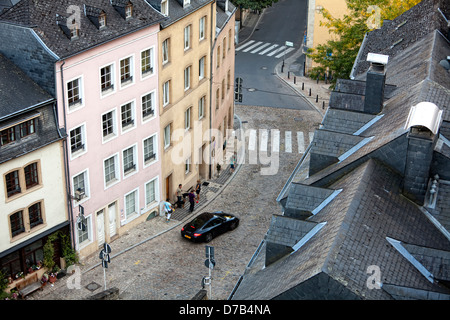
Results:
<point x="284" y="22"/>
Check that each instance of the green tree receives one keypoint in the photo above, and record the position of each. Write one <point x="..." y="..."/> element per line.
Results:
<point x="338" y="54"/>
<point x="253" y="4"/>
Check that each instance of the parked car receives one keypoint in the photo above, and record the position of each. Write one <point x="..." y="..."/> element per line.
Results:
<point x="207" y="226"/>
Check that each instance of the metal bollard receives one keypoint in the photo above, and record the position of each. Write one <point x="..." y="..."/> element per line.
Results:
<point x="303" y="86"/>
<point x="310" y="92"/>
<point x="289" y="74"/>
<point x="295" y="78"/>
<point x="317" y="98"/>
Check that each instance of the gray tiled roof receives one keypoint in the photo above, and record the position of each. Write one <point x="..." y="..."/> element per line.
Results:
<point x="304" y="198"/>
<point x="332" y="143"/>
<point x="13" y="84"/>
<point x="345" y="121"/>
<point x="420" y="21"/>
<point x="42" y="15"/>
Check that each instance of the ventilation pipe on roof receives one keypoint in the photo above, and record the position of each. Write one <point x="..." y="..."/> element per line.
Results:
<point x="376" y="77"/>
<point x="423" y="124"/>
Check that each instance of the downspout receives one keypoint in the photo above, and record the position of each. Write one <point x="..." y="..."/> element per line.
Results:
<point x="212" y="45"/>
<point x="66" y="162"/>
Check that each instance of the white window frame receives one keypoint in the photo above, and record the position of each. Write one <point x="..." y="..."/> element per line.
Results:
<point x="112" y="88"/>
<point x="187" y="37"/>
<point x="186" y="2"/>
<point x="165" y="7"/>
<point x="130" y="80"/>
<point x="155" y="202"/>
<point x="187" y="165"/>
<point x="165" y="47"/>
<point x="87" y="241"/>
<point x="135" y="170"/>
<point x="147" y="74"/>
<point x="166" y="93"/>
<point x="149" y="162"/>
<point x="201" y="67"/>
<point x="187" y="119"/>
<point x="86" y="190"/>
<point x="168" y="143"/>
<point x="77" y="153"/>
<point x="201" y="107"/>
<point x="80" y="102"/>
<point x="153" y="106"/>
<point x="187" y="78"/>
<point x="114" y="134"/>
<point x="132" y="125"/>
<point x="202" y="28"/>
<point x="132" y="215"/>
<point x="109" y="184"/>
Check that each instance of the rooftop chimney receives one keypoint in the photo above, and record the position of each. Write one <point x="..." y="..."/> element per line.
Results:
<point x="376" y="76"/>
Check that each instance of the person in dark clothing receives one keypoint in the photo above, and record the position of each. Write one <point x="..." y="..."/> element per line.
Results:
<point x="191" y="200"/>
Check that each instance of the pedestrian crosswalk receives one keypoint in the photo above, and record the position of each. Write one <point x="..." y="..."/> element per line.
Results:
<point x="265" y="48"/>
<point x="275" y="141"/>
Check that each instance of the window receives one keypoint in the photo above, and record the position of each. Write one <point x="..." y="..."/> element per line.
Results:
<point x="201" y="107"/>
<point x="167" y="137"/>
<point x="151" y="192"/>
<point x="12" y="183"/>
<point x="223" y="89"/>
<point x="187" y="37"/>
<point x="228" y="80"/>
<point x="165" y="7"/>
<point x="187" y="166"/>
<point x="224" y="46"/>
<point x="27" y="128"/>
<point x="149" y="149"/>
<point x="129" y="11"/>
<point x="217" y="98"/>
<point x="131" y="204"/>
<point x="84" y="235"/>
<point x="201" y="68"/>
<point x="148" y="109"/>
<point x="202" y="32"/>
<point x="17" y="223"/>
<point x="102" y="20"/>
<point x="165" y="51"/>
<point x="109" y="124"/>
<point x="166" y="93"/>
<point x="80" y="182"/>
<point x="186" y="2"/>
<point x="77" y="139"/>
<point x="129" y="160"/>
<point x="7" y="136"/>
<point x="74" y="92"/>
<point x="147" y="62"/>
<point x="31" y="175"/>
<point x="111" y="170"/>
<point x="187" y="78"/>
<point x="218" y="57"/>
<point x="35" y="215"/>
<point x="127" y="115"/>
<point x="106" y="78"/>
<point x="187" y="119"/>
<point x="126" y="70"/>
<point x="229" y="39"/>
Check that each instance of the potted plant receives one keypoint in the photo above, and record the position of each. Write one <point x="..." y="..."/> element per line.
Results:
<point x="44" y="279"/>
<point x="52" y="278"/>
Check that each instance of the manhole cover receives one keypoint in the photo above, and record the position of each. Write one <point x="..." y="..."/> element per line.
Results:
<point x="92" y="286"/>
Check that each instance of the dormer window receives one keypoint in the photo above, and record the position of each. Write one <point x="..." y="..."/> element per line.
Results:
<point x="165" y="7"/>
<point x="128" y="11"/>
<point x="70" y="28"/>
<point x="102" y="20"/>
<point x="186" y="2"/>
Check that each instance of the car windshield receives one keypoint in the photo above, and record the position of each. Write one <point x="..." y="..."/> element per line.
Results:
<point x="201" y="220"/>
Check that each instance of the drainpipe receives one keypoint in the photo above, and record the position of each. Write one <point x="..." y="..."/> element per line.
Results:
<point x="212" y="45"/>
<point x="66" y="162"/>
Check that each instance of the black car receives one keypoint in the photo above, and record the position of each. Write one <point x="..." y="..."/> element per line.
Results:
<point x="208" y="225"/>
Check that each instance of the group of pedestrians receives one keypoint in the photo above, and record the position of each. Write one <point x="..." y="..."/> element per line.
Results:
<point x="193" y="198"/>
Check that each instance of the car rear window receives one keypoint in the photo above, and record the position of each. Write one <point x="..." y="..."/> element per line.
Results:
<point x="201" y="220"/>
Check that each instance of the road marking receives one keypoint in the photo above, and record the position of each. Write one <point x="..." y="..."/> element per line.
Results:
<point x="301" y="142"/>
<point x="288" y="141"/>
<point x="311" y="137"/>
<point x="278" y="50"/>
<point x="275" y="140"/>
<point x="252" y="140"/>
<point x="268" y="49"/>
<point x="244" y="45"/>
<point x="264" y="133"/>
<point x="260" y="47"/>
<point x="284" y="52"/>
<point x="252" y="46"/>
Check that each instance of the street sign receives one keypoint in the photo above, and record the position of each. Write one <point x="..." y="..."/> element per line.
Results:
<point x="209" y="251"/>
<point x="210" y="263"/>
<point x="104" y="255"/>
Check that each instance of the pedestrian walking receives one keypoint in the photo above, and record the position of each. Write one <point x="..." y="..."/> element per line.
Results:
<point x="232" y="162"/>
<point x="191" y="200"/>
<point x="198" y="188"/>
<point x="168" y="209"/>
<point x="180" y="202"/>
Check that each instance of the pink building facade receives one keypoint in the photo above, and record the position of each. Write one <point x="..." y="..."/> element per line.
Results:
<point x="107" y="101"/>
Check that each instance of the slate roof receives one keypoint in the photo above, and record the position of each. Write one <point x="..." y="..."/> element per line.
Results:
<point x="42" y="16"/>
<point x="371" y="221"/>
<point x="176" y="9"/>
<point x="13" y="84"/>
<point x="409" y="27"/>
<point x="222" y="16"/>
